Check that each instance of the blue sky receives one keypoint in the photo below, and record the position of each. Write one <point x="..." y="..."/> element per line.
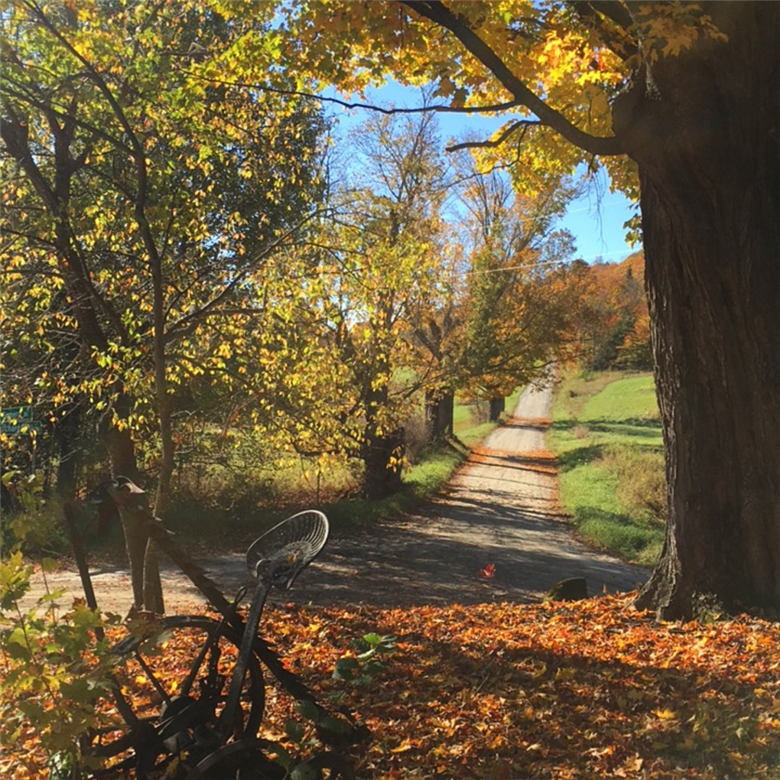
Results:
<point x="597" y="225"/>
<point x="595" y="219"/>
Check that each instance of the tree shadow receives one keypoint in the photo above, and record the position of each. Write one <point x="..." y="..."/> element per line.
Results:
<point x="526" y="704"/>
<point x="580" y="456"/>
<point x="435" y="560"/>
<point x="636" y="426"/>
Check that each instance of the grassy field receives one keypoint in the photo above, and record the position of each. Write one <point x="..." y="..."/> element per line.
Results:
<point x="607" y="435"/>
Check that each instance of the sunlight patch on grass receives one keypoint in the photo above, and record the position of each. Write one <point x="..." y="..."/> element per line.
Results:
<point x="608" y="439"/>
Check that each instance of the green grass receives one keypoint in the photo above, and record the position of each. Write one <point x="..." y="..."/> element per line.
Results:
<point x="607" y="435"/>
<point x="430" y="473"/>
<point x="249" y="496"/>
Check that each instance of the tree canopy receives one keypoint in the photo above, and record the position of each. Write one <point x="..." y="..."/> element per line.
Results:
<point x="678" y="102"/>
<point x="141" y="198"/>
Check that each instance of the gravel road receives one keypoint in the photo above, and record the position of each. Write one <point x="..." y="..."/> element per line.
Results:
<point x="500" y="509"/>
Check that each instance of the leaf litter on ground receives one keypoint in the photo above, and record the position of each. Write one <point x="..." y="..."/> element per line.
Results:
<point x="559" y="691"/>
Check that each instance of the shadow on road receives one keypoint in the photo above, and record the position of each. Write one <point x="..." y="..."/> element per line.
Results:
<point x="432" y="560"/>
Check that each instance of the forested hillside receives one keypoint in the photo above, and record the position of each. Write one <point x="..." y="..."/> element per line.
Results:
<point x="615" y="333"/>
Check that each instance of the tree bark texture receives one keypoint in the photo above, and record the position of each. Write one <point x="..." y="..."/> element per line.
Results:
<point x="382" y="461"/>
<point x="703" y="129"/>
<point x="439" y="414"/>
<point x="497" y="406"/>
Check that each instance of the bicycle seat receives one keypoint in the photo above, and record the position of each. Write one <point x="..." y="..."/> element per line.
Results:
<point x="282" y="553"/>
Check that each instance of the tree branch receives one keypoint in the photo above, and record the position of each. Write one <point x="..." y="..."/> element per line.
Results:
<point x="594" y="13"/>
<point x="490" y="144"/>
<point x="615" y="11"/>
<point x="186" y="324"/>
<point x="495" y="108"/>
<point x="439" y="14"/>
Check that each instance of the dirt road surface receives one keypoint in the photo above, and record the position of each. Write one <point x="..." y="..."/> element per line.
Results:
<point x="499" y="513"/>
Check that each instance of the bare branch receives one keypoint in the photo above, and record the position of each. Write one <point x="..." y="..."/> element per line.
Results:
<point x="491" y="144"/>
<point x="495" y="108"/>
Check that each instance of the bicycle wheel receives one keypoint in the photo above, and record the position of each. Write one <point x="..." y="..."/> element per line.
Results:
<point x="176" y="678"/>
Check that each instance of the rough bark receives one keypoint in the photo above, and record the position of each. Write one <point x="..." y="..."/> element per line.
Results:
<point x="439" y="414"/>
<point x="706" y="141"/>
<point x="497" y="406"/>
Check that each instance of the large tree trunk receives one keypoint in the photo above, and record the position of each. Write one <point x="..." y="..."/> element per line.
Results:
<point x="383" y="448"/>
<point x="439" y="414"/>
<point x="706" y="140"/>
<point x="382" y="458"/>
<point x="497" y="407"/>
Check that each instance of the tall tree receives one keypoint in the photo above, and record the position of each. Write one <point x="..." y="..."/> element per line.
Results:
<point x="325" y="363"/>
<point x="435" y="331"/>
<point x="145" y="198"/>
<point x="389" y="270"/>
<point x="518" y="315"/>
<point x="679" y="102"/>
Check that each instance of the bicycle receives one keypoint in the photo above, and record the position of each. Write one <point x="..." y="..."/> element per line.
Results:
<point x="203" y="721"/>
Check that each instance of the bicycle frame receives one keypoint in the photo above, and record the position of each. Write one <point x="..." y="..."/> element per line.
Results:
<point x="276" y="559"/>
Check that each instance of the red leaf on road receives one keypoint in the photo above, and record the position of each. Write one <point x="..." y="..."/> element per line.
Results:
<point x="488" y="572"/>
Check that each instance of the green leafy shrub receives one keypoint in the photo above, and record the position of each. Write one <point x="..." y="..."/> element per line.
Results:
<point x="361" y="667"/>
<point x="55" y="670"/>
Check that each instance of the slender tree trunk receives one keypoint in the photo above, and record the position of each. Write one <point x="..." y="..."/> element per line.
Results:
<point x="163" y="397"/>
<point x="709" y="161"/>
<point x="69" y="444"/>
<point x="153" y="594"/>
<point x="123" y="463"/>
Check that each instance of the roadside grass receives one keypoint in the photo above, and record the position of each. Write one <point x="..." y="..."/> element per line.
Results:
<point x="431" y="471"/>
<point x="607" y="436"/>
<point x="248" y="496"/>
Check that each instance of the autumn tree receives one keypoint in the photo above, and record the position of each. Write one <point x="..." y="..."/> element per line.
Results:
<point x="434" y="334"/>
<point x="389" y="261"/>
<point x="143" y="198"/>
<point x="679" y="102"/>
<point x="504" y="304"/>
<point x="326" y="365"/>
<point x="518" y="314"/>
<point x="614" y="325"/>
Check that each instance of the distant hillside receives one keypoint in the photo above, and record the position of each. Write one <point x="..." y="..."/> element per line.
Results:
<point x="615" y="332"/>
